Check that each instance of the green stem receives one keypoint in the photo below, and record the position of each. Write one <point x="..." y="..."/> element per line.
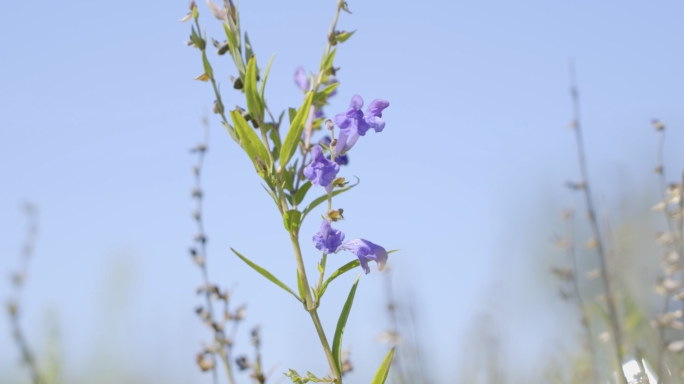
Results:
<point x="326" y="347"/>
<point x="312" y="309"/>
<point x="279" y="184"/>
<point x="320" y="280"/>
<point x="265" y="139"/>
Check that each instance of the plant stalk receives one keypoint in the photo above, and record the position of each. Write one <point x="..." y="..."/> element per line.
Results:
<point x="308" y="302"/>
<point x="610" y="298"/>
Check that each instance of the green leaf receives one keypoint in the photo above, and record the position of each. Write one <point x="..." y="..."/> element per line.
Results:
<point x="347" y="267"/>
<point x="267" y="275"/>
<point x="199" y="43"/>
<point x="291" y="113"/>
<point x="263" y="81"/>
<point x="287" y="180"/>
<point x="254" y="105"/>
<point x="235" y="50"/>
<point x="295" y="131"/>
<point x="231" y="132"/>
<point x="292" y="219"/>
<point x="342" y="37"/>
<point x="250" y="141"/>
<point x="301" y="192"/>
<point x="274" y="137"/>
<point x="394" y="250"/>
<point x="207" y="66"/>
<point x="327" y="63"/>
<point x="275" y="198"/>
<point x="323" y="198"/>
<point x="322" y="95"/>
<point x="341" y="323"/>
<point x="288" y="197"/>
<point x="383" y="371"/>
<point x="248" y="47"/>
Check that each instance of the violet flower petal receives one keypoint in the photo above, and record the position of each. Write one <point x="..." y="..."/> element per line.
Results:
<point x="365" y="251"/>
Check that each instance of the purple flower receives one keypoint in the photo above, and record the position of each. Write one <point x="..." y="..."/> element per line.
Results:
<point x="216" y="10"/>
<point x="321" y="171"/>
<point x="339" y="159"/>
<point x="327" y="240"/>
<point x="301" y="79"/>
<point x="365" y="251"/>
<point x="354" y="123"/>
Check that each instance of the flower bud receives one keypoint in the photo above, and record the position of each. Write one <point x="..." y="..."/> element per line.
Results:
<point x="12" y="308"/>
<point x="237" y="83"/>
<point x="339" y="182"/>
<point x="217" y="107"/>
<point x="335" y="215"/>
<point x="218" y="11"/>
<point x="205" y="361"/>
<point x="244" y="113"/>
<point x="329" y="125"/>
<point x="242" y="363"/>
<point x="343" y="6"/>
<point x="222" y="48"/>
<point x="658" y="125"/>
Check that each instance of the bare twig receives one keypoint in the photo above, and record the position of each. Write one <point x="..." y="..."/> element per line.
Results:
<point x="605" y="277"/>
<point x="18" y="280"/>
<point x="201" y="259"/>
<point x="569" y="226"/>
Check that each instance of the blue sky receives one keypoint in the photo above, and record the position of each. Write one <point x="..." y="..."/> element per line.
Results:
<point x="98" y="110"/>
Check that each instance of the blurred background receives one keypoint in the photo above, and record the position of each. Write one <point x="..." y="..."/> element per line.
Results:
<point x="99" y="109"/>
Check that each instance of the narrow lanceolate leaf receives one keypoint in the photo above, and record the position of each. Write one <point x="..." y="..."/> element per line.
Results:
<point x="323" y="198"/>
<point x="263" y="81"/>
<point x="270" y="193"/>
<point x="383" y="371"/>
<point x="341" y="323"/>
<point x="342" y="37"/>
<point x="347" y="267"/>
<point x="249" y="52"/>
<point x="231" y="131"/>
<point x="235" y="51"/>
<point x="327" y="63"/>
<point x="250" y="142"/>
<point x="254" y="105"/>
<point x="291" y="113"/>
<point x="301" y="193"/>
<point x="292" y="219"/>
<point x="322" y="95"/>
<point x="207" y="66"/>
<point x="267" y="275"/>
<point x="295" y="132"/>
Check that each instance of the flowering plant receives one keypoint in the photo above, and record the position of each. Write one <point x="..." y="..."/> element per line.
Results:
<point x="288" y="181"/>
